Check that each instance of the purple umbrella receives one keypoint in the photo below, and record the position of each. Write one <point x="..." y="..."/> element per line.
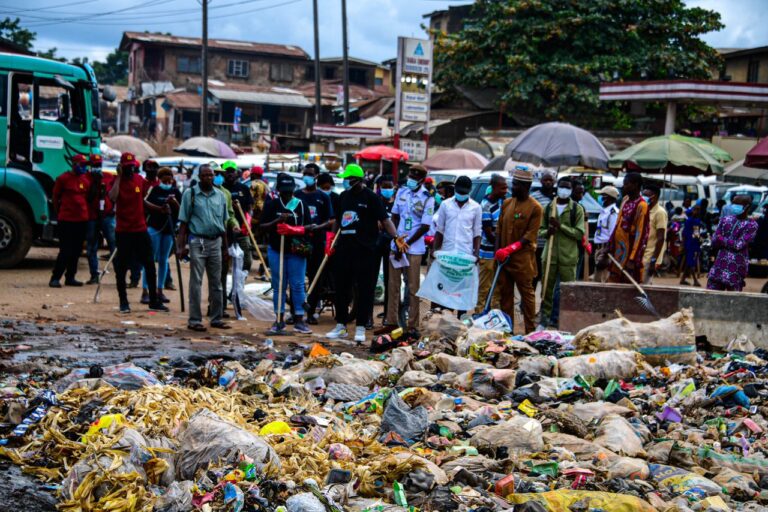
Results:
<point x="205" y="146"/>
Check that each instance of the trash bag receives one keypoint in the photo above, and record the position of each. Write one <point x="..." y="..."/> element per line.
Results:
<point x="580" y="448"/>
<point x="563" y="499"/>
<point x="680" y="481"/>
<point x="493" y="320"/>
<point x="518" y="434"/>
<point x="447" y="363"/>
<point x="415" y="378"/>
<point x="209" y="439"/>
<point x="304" y="502"/>
<point x="400" y="358"/>
<point x="617" y="434"/>
<point x="479" y="336"/>
<point x="626" y="467"/>
<point x="444" y="326"/>
<point x="122" y="376"/>
<point x="398" y="417"/>
<point x="177" y="497"/>
<point x="253" y="300"/>
<point x="670" y="339"/>
<point x="612" y="364"/>
<point x="452" y="281"/>
<point x="738" y="485"/>
<point x="597" y="410"/>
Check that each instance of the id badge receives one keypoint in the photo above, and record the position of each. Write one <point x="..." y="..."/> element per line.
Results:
<point x="408" y="223"/>
<point x="101" y="204"/>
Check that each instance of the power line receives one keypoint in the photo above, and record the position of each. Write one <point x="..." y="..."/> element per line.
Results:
<point x="25" y="11"/>
<point x="92" y="15"/>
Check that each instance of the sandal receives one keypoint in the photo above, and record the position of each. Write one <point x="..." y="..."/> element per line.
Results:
<point x="220" y="325"/>
<point x="197" y="327"/>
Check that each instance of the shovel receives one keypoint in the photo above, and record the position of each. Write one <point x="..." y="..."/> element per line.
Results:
<point x="643" y="299"/>
<point x="101" y="277"/>
<point x="487" y="306"/>
<point x="318" y="274"/>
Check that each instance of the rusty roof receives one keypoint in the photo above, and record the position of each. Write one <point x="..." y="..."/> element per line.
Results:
<point x="278" y="50"/>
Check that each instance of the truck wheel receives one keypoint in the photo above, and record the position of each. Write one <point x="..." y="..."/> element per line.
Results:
<point x="16" y="234"/>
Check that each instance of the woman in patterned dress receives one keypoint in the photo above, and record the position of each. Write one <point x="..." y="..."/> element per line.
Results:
<point x="732" y="237"/>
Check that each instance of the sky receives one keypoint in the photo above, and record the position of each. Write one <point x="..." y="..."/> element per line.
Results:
<point x="92" y="28"/>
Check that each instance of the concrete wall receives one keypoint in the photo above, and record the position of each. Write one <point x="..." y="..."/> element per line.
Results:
<point x="720" y="316"/>
<point x="737" y="67"/>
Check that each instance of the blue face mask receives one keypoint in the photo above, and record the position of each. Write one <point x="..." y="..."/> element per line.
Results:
<point x="326" y="192"/>
<point x="488" y="190"/>
<point x="647" y="199"/>
<point x="438" y="199"/>
<point x="412" y="184"/>
<point x="247" y="182"/>
<point x="461" y="198"/>
<point x="95" y="170"/>
<point x="387" y="193"/>
<point x="346" y="184"/>
<point x="218" y="180"/>
<point x="166" y="186"/>
<point x="600" y="200"/>
<point x="80" y="169"/>
<point x="308" y="180"/>
<point x="736" y="209"/>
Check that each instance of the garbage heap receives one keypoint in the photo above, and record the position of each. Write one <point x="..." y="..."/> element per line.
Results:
<point x="620" y="417"/>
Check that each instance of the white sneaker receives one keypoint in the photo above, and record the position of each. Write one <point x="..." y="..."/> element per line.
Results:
<point x="359" y="334"/>
<point x="340" y="331"/>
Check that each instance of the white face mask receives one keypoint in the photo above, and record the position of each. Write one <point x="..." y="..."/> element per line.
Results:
<point x="563" y="193"/>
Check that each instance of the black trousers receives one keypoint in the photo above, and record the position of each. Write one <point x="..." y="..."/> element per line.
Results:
<point x="354" y="272"/>
<point x="135" y="247"/>
<point x="313" y="265"/>
<point x="71" y="238"/>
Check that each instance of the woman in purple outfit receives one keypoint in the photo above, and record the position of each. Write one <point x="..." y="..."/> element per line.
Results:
<point x="732" y="238"/>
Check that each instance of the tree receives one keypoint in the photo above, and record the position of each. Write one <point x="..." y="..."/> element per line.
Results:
<point x="548" y="57"/>
<point x="114" y="70"/>
<point x="12" y="30"/>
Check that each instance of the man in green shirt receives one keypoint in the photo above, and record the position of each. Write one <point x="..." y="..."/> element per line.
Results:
<point x="231" y="225"/>
<point x="563" y="226"/>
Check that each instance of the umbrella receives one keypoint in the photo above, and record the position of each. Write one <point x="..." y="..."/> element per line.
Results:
<point x="205" y="146"/>
<point x="455" y="159"/>
<point x="558" y="144"/>
<point x="128" y="144"/>
<point x="496" y="164"/>
<point x="381" y="153"/>
<point x="668" y="154"/>
<point x="715" y="152"/>
<point x="758" y="155"/>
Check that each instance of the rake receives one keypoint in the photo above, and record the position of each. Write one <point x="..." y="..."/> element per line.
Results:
<point x="643" y="299"/>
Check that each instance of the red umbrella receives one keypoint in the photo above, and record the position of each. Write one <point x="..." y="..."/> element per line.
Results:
<point x="382" y="153"/>
<point x="758" y="155"/>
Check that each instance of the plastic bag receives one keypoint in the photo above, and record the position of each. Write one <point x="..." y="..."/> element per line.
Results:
<point x="493" y="320"/>
<point x="626" y="467"/>
<point x="670" y="339"/>
<point x="304" y="502"/>
<point x="454" y="364"/>
<point x="177" y="498"/>
<point x="738" y="485"/>
<point x="561" y="501"/>
<point x="444" y="326"/>
<point x="253" y="300"/>
<point x="612" y="364"/>
<point x="122" y="376"/>
<point x="452" y="281"/>
<point x="616" y="434"/>
<point x="684" y="482"/>
<point x="414" y="378"/>
<point x="580" y="448"/>
<point x="410" y="424"/>
<point x="518" y="434"/>
<point x="597" y="410"/>
<point x="209" y="439"/>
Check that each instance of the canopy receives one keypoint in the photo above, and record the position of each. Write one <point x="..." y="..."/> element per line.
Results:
<point x="715" y="152"/>
<point x="382" y="153"/>
<point x="129" y="144"/>
<point x="205" y="146"/>
<point x="669" y="154"/>
<point x="739" y="169"/>
<point x="758" y="155"/>
<point x="558" y="144"/>
<point x="455" y="159"/>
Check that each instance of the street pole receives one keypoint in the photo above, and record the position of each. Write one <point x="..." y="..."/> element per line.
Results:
<point x="318" y="106"/>
<point x="346" y="60"/>
<point x="204" y="113"/>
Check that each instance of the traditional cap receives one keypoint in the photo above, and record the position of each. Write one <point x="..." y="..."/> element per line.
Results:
<point x="257" y="171"/>
<point x="522" y="174"/>
<point x="352" y="171"/>
<point x="609" y="191"/>
<point x="463" y="185"/>
<point x="96" y="160"/>
<point x="79" y="159"/>
<point x="128" y="160"/>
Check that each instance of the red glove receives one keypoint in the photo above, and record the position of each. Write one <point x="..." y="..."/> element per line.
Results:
<point x="243" y="228"/>
<point x="586" y="244"/>
<point x="285" y="229"/>
<point x="505" y="252"/>
<point x="329" y="249"/>
<point x="429" y="240"/>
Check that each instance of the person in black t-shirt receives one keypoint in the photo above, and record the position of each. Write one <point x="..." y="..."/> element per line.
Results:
<point x="241" y="194"/>
<point x="325" y="183"/>
<point x="288" y="217"/>
<point x="359" y="215"/>
<point x="321" y="214"/>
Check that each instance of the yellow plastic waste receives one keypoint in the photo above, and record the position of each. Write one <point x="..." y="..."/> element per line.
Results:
<point x="561" y="500"/>
<point x="275" y="428"/>
<point x="528" y="408"/>
<point x="104" y="423"/>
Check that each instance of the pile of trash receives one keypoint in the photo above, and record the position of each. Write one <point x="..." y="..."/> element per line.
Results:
<point x="618" y="417"/>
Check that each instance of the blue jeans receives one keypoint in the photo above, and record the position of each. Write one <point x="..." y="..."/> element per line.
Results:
<point x="105" y="226"/>
<point x="295" y="269"/>
<point x="161" y="250"/>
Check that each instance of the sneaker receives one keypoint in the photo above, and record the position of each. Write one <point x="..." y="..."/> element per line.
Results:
<point x="276" y="328"/>
<point x="162" y="298"/>
<point x="340" y="331"/>
<point x="73" y="282"/>
<point x="288" y="320"/>
<point x="301" y="327"/>
<point x="54" y="283"/>
<point x="312" y="319"/>
<point x="125" y="307"/>
<point x="170" y="286"/>
<point x="133" y="284"/>
<point x="158" y="306"/>
<point x="144" y="297"/>
<point x="359" y="334"/>
<point x="93" y="280"/>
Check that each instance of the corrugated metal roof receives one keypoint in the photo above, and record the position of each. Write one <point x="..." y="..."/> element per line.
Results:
<point x="263" y="98"/>
<point x="285" y="50"/>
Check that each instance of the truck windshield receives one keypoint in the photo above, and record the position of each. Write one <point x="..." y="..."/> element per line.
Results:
<point x="62" y="105"/>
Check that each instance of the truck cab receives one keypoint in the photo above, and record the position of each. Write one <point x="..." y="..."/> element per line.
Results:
<point x="49" y="111"/>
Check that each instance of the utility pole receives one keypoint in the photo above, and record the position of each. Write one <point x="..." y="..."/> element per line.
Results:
<point x="346" y="60"/>
<point x="204" y="113"/>
<point x="318" y="106"/>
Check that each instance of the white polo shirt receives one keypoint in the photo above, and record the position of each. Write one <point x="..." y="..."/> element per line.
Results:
<point x="606" y="222"/>
<point x="459" y="225"/>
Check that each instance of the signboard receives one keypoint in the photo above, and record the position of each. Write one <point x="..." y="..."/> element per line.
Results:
<point x="414" y="87"/>
<point x="344" y="132"/>
<point x="414" y="117"/>
<point x="416" y="149"/>
<point x="417" y="56"/>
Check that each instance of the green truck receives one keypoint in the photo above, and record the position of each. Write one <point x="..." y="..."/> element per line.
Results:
<point x="49" y="111"/>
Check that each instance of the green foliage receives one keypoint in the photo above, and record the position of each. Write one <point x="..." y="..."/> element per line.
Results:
<point x="548" y="57"/>
<point x="114" y="70"/>
<point x="51" y="54"/>
<point x="12" y="30"/>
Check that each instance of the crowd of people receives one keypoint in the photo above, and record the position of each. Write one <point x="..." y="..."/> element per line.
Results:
<point x="341" y="242"/>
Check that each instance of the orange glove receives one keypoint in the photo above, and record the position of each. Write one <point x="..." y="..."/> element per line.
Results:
<point x="287" y="230"/>
<point x="505" y="252"/>
<point x="401" y="245"/>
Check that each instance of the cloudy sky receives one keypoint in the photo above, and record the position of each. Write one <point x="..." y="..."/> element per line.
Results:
<point x="93" y="28"/>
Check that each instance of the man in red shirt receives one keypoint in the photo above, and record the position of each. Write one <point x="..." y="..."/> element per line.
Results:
<point x="101" y="216"/>
<point x="128" y="193"/>
<point x="70" y="203"/>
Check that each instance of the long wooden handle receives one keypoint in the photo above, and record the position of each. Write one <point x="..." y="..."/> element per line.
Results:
<point x="639" y="288"/>
<point x="101" y="277"/>
<point x="321" y="267"/>
<point x="550" y="242"/>
<point x="280" y="284"/>
<point x="253" y="239"/>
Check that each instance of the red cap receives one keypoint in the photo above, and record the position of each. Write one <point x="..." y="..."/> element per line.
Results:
<point x="257" y="171"/>
<point x="429" y="180"/>
<point x="96" y="160"/>
<point x="128" y="159"/>
<point x="79" y="159"/>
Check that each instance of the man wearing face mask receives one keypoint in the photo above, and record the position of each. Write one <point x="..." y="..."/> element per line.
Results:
<point x="360" y="212"/>
<point x="151" y="168"/>
<point x="491" y="206"/>
<point x="70" y="203"/>
<point x="241" y="194"/>
<point x="543" y="196"/>
<point x="629" y="239"/>
<point x="732" y="237"/>
<point x="657" y="233"/>
<point x="325" y="183"/>
<point x="606" y="222"/>
<point x="563" y="226"/>
<point x="232" y="226"/>
<point x="203" y="218"/>
<point x="385" y="187"/>
<point x="101" y="216"/>
<point x="412" y="214"/>
<point x="321" y="214"/>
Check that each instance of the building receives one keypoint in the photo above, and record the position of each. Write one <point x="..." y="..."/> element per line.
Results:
<point x="450" y="20"/>
<point x="748" y="66"/>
